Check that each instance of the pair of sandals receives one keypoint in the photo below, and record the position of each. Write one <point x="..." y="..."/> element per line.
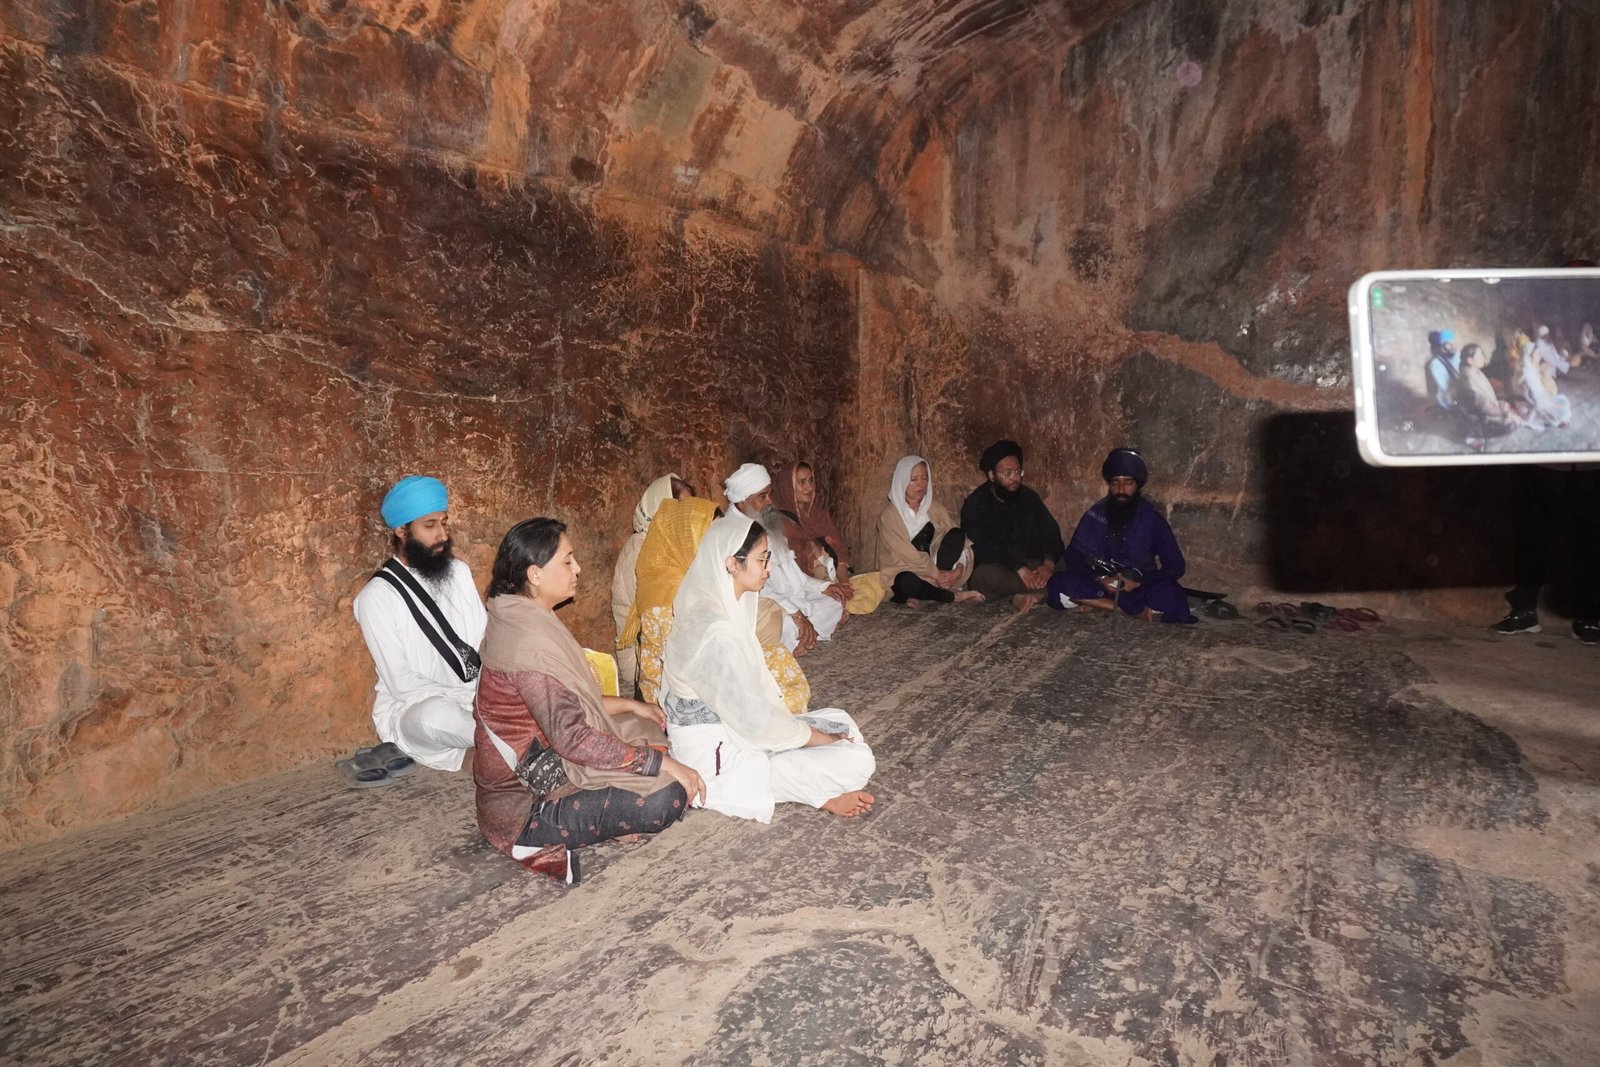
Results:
<point x="372" y="767"/>
<point x="1311" y="616"/>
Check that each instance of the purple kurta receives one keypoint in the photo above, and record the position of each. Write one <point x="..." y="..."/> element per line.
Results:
<point x="1146" y="544"/>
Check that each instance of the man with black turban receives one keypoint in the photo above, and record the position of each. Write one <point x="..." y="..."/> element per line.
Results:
<point x="1123" y="554"/>
<point x="1016" y="542"/>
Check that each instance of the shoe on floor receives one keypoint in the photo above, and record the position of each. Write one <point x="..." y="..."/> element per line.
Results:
<point x="1587" y="631"/>
<point x="1518" y="622"/>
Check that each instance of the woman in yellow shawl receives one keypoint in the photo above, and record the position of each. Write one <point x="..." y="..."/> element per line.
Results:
<point x="668" y="549"/>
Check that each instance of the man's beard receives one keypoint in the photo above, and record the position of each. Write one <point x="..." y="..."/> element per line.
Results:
<point x="1003" y="494"/>
<point x="771" y="520"/>
<point x="1120" y="508"/>
<point x="432" y="563"/>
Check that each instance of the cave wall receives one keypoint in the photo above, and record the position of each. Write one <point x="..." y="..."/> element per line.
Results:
<point x="227" y="331"/>
<point x="259" y="260"/>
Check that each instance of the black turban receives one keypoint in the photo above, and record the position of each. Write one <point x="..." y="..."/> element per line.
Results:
<point x="996" y="452"/>
<point x="1125" y="463"/>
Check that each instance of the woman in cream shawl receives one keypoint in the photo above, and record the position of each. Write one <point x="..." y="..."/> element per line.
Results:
<point x="558" y="765"/>
<point x="625" y="582"/>
<point x="922" y="555"/>
<point x="726" y="717"/>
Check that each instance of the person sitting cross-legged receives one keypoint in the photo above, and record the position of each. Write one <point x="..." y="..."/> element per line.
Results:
<point x="922" y="553"/>
<point x="1123" y="553"/>
<point x="1016" y="542"/>
<point x="558" y="765"/>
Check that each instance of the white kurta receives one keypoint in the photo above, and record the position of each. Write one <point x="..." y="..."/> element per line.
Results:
<point x="793" y="589"/>
<point x="413" y="676"/>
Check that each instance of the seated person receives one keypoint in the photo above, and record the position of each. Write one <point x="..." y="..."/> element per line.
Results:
<point x="818" y="547"/>
<point x="559" y="766"/>
<point x="624" y="581"/>
<point x="1123" y="554"/>
<point x="1489" y="416"/>
<point x="922" y="553"/>
<point x="1016" y="542"/>
<point x="812" y="607"/>
<point x="421" y="618"/>
<point x="1443" y="369"/>
<point x="727" y="718"/>
<point x="668" y="550"/>
<point x="1547" y="408"/>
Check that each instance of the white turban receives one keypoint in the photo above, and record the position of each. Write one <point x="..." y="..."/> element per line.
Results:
<point x="746" y="482"/>
<point x="1544" y="331"/>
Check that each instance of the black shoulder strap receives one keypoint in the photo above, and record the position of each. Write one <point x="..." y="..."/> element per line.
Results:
<point x="461" y="657"/>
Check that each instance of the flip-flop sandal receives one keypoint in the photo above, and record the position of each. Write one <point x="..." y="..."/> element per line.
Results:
<point x="396" y="762"/>
<point x="364" y="770"/>
<point x="1363" y="618"/>
<point x="1305" y="626"/>
<point x="1342" y="625"/>
<point x="1220" y="609"/>
<point x="1273" y="622"/>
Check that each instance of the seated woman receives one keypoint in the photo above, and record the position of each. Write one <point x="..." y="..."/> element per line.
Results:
<point x="814" y="538"/>
<point x="727" y="717"/>
<point x="559" y="766"/>
<point x="668" y="549"/>
<point x="922" y="554"/>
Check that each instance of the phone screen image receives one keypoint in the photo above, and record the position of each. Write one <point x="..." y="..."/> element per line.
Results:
<point x="1462" y="367"/>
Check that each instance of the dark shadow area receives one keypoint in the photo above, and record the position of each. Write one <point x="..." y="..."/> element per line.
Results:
<point x="1332" y="523"/>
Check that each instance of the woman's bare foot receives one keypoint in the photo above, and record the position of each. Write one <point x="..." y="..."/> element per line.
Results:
<point x="1025" y="601"/>
<point x="913" y="602"/>
<point x="969" y="596"/>
<point x="848" y="805"/>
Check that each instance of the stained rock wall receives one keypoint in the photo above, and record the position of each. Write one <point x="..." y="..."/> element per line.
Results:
<point x="258" y="261"/>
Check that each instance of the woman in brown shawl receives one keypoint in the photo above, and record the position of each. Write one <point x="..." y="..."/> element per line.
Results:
<point x="559" y="766"/>
<point x="814" y="538"/>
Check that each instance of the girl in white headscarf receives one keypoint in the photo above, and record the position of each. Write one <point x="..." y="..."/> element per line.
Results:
<point x="725" y="714"/>
<point x="922" y="555"/>
<point x="625" y="581"/>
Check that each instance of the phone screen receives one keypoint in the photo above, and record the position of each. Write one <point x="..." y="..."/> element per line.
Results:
<point x="1463" y="367"/>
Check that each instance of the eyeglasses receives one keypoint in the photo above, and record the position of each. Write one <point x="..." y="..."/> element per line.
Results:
<point x="1008" y="472"/>
<point x="763" y="559"/>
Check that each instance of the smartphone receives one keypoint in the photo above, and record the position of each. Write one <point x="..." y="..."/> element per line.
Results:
<point x="1466" y="367"/>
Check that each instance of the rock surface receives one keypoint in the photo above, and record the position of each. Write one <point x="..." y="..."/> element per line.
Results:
<point x="259" y="261"/>
<point x="1096" y="842"/>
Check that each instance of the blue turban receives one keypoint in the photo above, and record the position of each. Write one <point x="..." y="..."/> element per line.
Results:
<point x="412" y="497"/>
<point x="1446" y="335"/>
<point x="1125" y="463"/>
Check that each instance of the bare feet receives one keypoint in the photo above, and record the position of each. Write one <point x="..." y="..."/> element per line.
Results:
<point x="1025" y="601"/>
<point x="851" y="804"/>
<point x="969" y="596"/>
<point x="913" y="602"/>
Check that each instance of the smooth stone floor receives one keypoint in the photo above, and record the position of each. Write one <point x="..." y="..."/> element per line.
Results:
<point x="1096" y="842"/>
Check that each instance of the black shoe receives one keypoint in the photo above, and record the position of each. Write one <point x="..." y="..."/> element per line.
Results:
<point x="1587" y="631"/>
<point x="1518" y="622"/>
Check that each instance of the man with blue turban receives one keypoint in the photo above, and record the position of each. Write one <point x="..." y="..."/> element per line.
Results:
<point x="1123" y="554"/>
<point x="1444" y="368"/>
<point x="423" y="620"/>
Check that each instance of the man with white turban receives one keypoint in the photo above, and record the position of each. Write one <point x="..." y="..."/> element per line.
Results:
<point x="423" y="620"/>
<point x="812" y="608"/>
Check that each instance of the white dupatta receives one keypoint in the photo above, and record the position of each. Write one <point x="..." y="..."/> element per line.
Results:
<point x="712" y="654"/>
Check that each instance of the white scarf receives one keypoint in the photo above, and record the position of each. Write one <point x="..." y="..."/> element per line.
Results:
<point x="707" y="607"/>
<point x="914" y="520"/>
<point x="659" y="492"/>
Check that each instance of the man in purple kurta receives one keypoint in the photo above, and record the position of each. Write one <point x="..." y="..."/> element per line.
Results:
<point x="1123" y="554"/>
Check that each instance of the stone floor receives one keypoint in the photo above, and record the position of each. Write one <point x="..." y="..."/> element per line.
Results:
<point x="1097" y="842"/>
<point x="1437" y="435"/>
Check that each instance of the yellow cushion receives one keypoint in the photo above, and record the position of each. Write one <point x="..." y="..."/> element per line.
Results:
<point x="604" y="666"/>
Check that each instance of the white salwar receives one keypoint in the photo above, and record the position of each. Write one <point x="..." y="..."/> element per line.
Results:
<point x="421" y="705"/>
<point x="754" y="757"/>
<point x="792" y="589"/>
